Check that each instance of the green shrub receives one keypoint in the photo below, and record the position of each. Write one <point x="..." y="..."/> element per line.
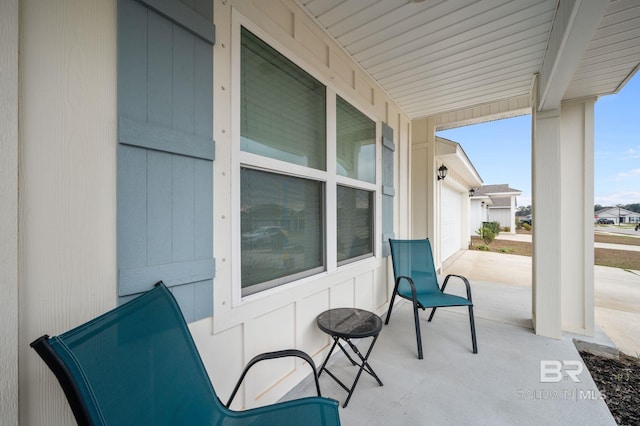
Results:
<point x="526" y="226"/>
<point x="507" y="229"/>
<point x="494" y="226"/>
<point x="483" y="248"/>
<point x="488" y="232"/>
<point x="488" y="236"/>
<point x="506" y="250"/>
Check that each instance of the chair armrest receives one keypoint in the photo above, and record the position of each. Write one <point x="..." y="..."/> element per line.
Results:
<point x="411" y="284"/>
<point x="464" y="280"/>
<point x="272" y="355"/>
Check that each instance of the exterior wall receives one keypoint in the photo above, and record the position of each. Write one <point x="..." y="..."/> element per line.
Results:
<point x="627" y="216"/>
<point x="425" y="192"/>
<point x="9" y="19"/>
<point x="454" y="211"/>
<point x="284" y="317"/>
<point x="504" y="216"/>
<point x="477" y="215"/>
<point x="68" y="127"/>
<point x="68" y="183"/>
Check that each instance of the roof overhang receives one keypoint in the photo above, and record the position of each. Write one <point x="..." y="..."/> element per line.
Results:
<point x="466" y="61"/>
<point x="453" y="156"/>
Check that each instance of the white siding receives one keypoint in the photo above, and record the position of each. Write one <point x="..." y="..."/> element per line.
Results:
<point x="476" y="216"/>
<point x="451" y="223"/>
<point x="502" y="216"/>
<point x="285" y="317"/>
<point x="68" y="183"/>
<point x="68" y="213"/>
<point x="9" y="13"/>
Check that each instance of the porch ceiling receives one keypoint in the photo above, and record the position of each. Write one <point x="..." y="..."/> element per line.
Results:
<point x="438" y="56"/>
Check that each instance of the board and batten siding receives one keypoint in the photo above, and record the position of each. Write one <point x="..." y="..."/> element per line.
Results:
<point x="285" y="317"/>
<point x="68" y="206"/>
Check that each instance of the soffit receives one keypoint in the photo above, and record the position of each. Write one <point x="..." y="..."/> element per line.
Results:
<point x="438" y="56"/>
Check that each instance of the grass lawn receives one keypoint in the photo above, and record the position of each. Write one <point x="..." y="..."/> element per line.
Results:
<point x="604" y="257"/>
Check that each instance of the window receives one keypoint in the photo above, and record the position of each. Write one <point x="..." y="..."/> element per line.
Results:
<point x="283" y="117"/>
<point x="355" y="223"/>
<point x="356" y="159"/>
<point x="284" y="177"/>
<point x="356" y="143"/>
<point x="283" y="108"/>
<point x="282" y="229"/>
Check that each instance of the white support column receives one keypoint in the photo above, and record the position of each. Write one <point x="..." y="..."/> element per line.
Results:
<point x="547" y="247"/>
<point x="423" y="178"/>
<point x="562" y="166"/>
<point x="9" y="262"/>
<point x="576" y="217"/>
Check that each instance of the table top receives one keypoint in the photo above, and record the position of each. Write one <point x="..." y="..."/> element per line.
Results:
<point x="349" y="323"/>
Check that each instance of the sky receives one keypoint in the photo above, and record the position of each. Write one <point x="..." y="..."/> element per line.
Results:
<point x="501" y="150"/>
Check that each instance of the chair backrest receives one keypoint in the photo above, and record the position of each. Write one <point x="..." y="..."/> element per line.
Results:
<point x="414" y="259"/>
<point x="136" y="364"/>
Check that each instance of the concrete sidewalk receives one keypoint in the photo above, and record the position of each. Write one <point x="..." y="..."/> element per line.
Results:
<point x="527" y="238"/>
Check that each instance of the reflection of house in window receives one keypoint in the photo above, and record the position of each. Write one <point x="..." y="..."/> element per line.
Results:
<point x="281" y="229"/>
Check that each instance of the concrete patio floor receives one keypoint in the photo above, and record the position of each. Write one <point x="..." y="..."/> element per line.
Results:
<point x="501" y="385"/>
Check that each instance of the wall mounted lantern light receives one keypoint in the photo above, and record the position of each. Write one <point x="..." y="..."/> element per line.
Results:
<point x="442" y="172"/>
<point x="472" y="192"/>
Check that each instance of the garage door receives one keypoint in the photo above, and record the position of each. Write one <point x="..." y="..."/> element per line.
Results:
<point x="451" y="223"/>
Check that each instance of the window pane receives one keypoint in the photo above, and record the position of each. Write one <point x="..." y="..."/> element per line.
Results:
<point x="355" y="223"/>
<point x="356" y="135"/>
<point x="282" y="229"/>
<point x="283" y="114"/>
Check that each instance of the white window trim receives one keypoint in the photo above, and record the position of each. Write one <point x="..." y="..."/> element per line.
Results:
<point x="330" y="177"/>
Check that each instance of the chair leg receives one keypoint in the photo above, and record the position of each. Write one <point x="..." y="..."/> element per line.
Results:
<point x="433" y="311"/>
<point x="416" y="319"/>
<point x="393" y="297"/>
<point x="473" y="330"/>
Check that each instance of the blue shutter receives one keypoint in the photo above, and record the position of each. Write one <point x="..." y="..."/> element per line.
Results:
<point x="388" y="188"/>
<point x="166" y="151"/>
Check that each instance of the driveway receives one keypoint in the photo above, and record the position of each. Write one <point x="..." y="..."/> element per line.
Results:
<point x="613" y="229"/>
<point x="617" y="291"/>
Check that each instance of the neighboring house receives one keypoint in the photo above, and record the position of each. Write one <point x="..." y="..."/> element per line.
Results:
<point x="455" y="209"/>
<point x="324" y="115"/>
<point x="617" y="214"/>
<point x="494" y="203"/>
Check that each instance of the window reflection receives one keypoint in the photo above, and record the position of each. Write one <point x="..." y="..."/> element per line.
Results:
<point x="355" y="223"/>
<point x="282" y="229"/>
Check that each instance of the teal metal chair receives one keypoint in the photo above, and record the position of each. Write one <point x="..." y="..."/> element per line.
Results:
<point x="138" y="365"/>
<point x="416" y="280"/>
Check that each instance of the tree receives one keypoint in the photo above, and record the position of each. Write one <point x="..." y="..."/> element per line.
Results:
<point x="523" y="211"/>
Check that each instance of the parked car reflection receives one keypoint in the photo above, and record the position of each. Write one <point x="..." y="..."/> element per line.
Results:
<point x="265" y="236"/>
